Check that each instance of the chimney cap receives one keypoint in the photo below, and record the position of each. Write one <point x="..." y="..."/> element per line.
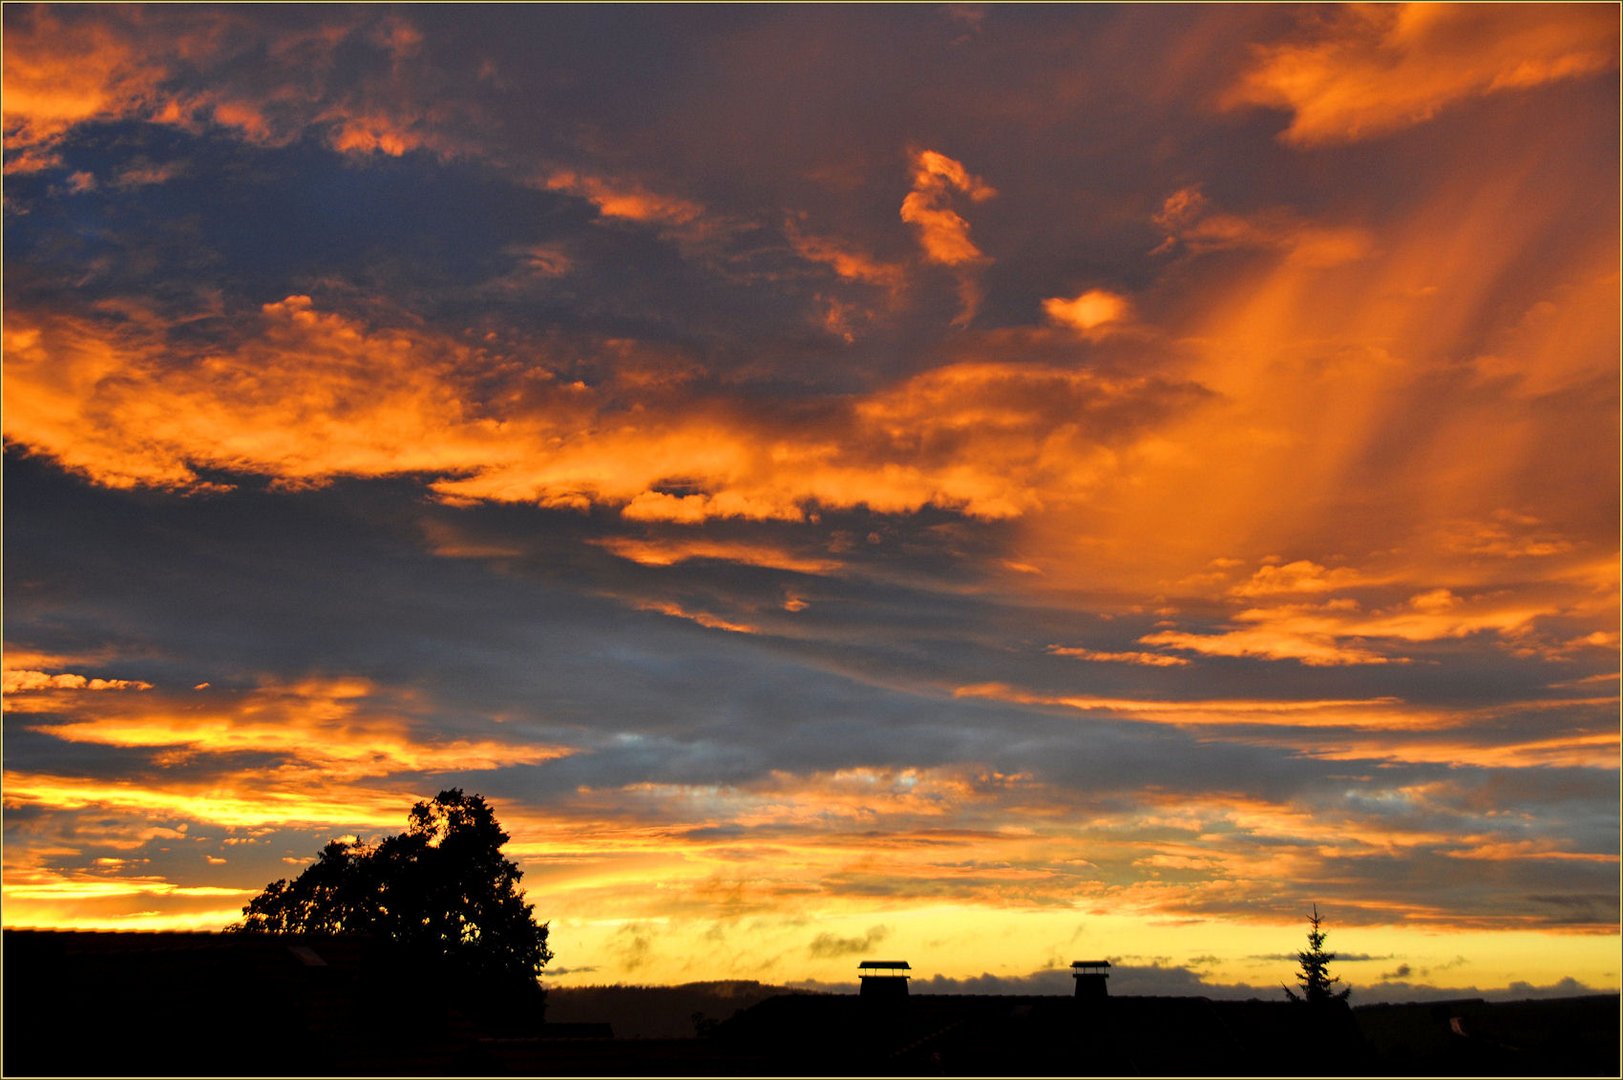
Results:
<point x="901" y="965"/>
<point x="1089" y="964"/>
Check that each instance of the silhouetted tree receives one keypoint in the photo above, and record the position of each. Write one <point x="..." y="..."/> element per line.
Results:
<point x="441" y="892"/>
<point x="1318" y="985"/>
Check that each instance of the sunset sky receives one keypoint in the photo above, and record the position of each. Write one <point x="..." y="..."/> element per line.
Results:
<point x="988" y="486"/>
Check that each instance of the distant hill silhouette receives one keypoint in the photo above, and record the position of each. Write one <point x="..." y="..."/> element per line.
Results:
<point x="656" y="1012"/>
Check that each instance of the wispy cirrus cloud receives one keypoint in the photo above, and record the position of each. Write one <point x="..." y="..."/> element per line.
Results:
<point x="1365" y="712"/>
<point x="706" y="619"/>
<point x="1147" y="659"/>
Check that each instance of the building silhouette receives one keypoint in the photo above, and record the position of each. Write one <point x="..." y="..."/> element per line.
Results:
<point x="1090" y="976"/>
<point x="882" y="979"/>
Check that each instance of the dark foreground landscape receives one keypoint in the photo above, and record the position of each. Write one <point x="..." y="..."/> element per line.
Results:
<point x="213" y="1004"/>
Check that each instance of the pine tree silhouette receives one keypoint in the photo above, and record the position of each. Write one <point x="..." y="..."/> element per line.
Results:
<point x="1318" y="985"/>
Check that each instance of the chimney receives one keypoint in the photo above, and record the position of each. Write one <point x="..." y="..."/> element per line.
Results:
<point x="883" y="979"/>
<point x="1090" y="976"/>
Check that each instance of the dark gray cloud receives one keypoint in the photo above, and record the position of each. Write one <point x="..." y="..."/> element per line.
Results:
<point x="827" y="945"/>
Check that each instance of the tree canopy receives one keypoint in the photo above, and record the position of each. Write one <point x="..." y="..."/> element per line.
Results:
<point x="1318" y="985"/>
<point x="441" y="891"/>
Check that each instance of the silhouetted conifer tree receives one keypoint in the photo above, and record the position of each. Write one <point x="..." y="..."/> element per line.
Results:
<point x="1318" y="985"/>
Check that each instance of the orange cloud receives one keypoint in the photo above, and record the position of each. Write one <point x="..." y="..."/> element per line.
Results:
<point x="1006" y="435"/>
<point x="1143" y="658"/>
<point x="703" y="618"/>
<point x="845" y="260"/>
<point x="1273" y="642"/>
<point x="1506" y="535"/>
<point x="1349" y="430"/>
<point x="898" y="836"/>
<point x="25" y="674"/>
<point x="20" y="680"/>
<point x="943" y="234"/>
<point x="1377" y="712"/>
<point x="1191" y="223"/>
<point x="306" y="396"/>
<point x="1378" y="728"/>
<point x="1506" y="850"/>
<point x="1091" y="310"/>
<point x="311" y="396"/>
<point x="336" y="729"/>
<point x="1364" y="70"/>
<point x="62" y="70"/>
<point x="1339" y="632"/>
<point x="330" y="729"/>
<point x="374" y="132"/>
<point x="695" y="508"/>
<point x="238" y="803"/>
<point x="57" y="76"/>
<point x="1301" y="576"/>
<point x="624" y="199"/>
<point x="1583" y="751"/>
<point x="86" y="900"/>
<point x="664" y="552"/>
<point x="891" y="836"/>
